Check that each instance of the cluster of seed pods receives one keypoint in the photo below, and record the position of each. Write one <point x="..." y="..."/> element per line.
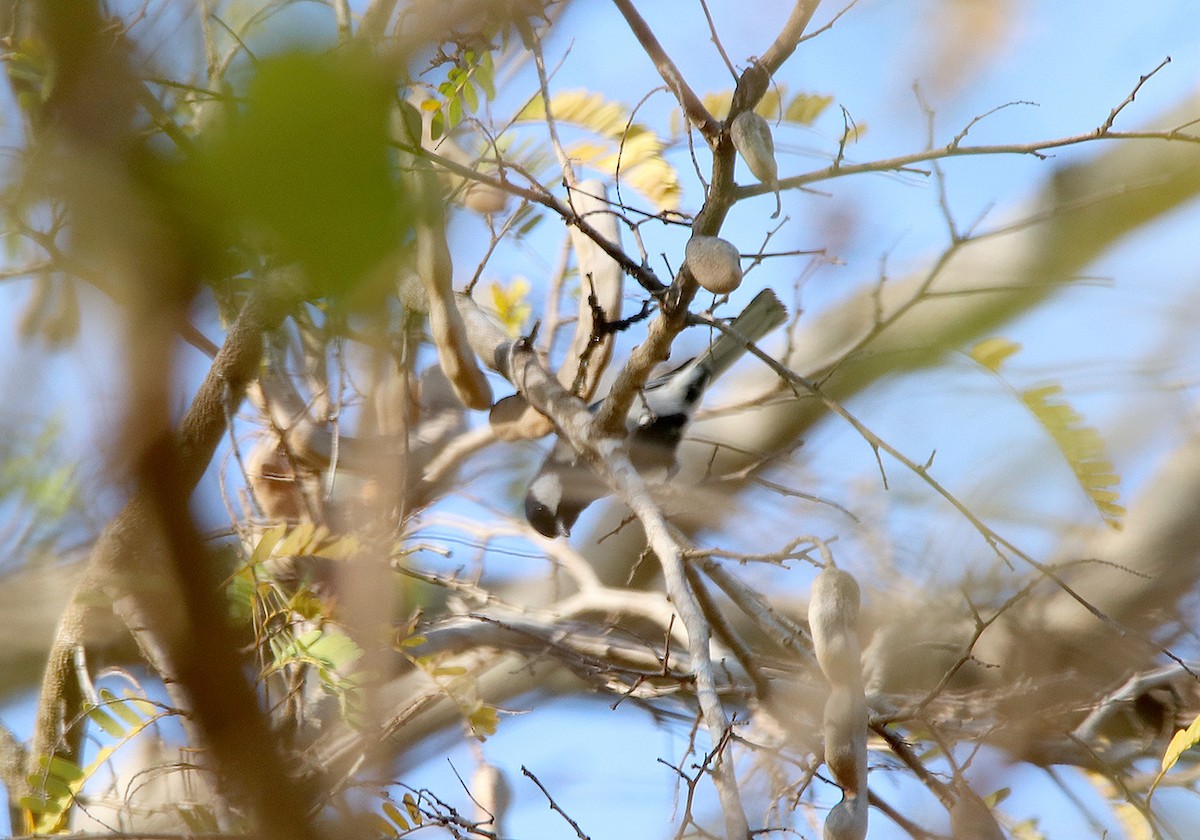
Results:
<point x="833" y="620"/>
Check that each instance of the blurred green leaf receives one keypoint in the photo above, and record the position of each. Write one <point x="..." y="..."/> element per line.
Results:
<point x="307" y="165"/>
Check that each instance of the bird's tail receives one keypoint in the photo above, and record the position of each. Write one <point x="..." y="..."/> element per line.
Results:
<point x="762" y="315"/>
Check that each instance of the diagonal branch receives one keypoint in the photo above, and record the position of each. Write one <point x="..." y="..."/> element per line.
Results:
<point x="518" y="362"/>
<point x="693" y="108"/>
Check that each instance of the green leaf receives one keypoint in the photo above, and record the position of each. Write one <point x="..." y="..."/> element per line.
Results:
<point x="107" y="723"/>
<point x="470" y="96"/>
<point x="410" y="120"/>
<point x="297" y="542"/>
<point x="266" y="544"/>
<point x="307" y="164"/>
<point x="119" y="708"/>
<point x="485" y="75"/>
<point x="140" y="703"/>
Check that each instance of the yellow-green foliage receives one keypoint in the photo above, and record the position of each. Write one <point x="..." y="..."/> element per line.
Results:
<point x="631" y="147"/>
<point x="57" y="782"/>
<point x="1079" y="443"/>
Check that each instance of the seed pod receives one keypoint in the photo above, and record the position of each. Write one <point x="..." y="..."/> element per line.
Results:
<point x="512" y="419"/>
<point x="445" y="323"/>
<point x="833" y="619"/>
<point x="751" y="136"/>
<point x="847" y="820"/>
<point x="715" y="263"/>
<point x="845" y="733"/>
<point x="492" y="795"/>
<point x="485" y="198"/>
<point x="591" y="347"/>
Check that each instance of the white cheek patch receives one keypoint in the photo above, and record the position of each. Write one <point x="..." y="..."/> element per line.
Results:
<point x="547" y="488"/>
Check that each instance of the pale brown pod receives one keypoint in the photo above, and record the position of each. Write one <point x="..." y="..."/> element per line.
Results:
<point x="485" y="198"/>
<point x="601" y="275"/>
<point x="845" y="733"/>
<point x="847" y="820"/>
<point x="436" y="271"/>
<point x="833" y="621"/>
<point x="751" y="136"/>
<point x="715" y="263"/>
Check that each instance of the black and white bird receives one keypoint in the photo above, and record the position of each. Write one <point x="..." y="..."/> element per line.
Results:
<point x="565" y="485"/>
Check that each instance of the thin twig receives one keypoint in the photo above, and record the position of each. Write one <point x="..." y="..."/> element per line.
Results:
<point x="554" y="805"/>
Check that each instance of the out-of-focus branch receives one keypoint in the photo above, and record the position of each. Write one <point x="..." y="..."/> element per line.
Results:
<point x="125" y="564"/>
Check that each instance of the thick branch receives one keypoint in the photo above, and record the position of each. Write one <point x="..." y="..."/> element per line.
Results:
<point x="693" y="108"/>
<point x="125" y="565"/>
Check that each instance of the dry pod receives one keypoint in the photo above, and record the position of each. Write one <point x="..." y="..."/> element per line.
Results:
<point x="847" y="820"/>
<point x="751" y="136"/>
<point x="435" y="269"/>
<point x="715" y="263"/>
<point x="845" y="731"/>
<point x="601" y="276"/>
<point x="512" y="419"/>
<point x="833" y="620"/>
<point x="277" y="488"/>
<point x="485" y="198"/>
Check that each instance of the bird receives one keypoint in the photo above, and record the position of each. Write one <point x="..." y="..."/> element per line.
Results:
<point x="564" y="485"/>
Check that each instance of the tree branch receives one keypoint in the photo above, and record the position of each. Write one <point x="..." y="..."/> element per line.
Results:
<point x="693" y="108"/>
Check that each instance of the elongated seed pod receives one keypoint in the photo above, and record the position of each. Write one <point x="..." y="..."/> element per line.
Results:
<point x="846" y="737"/>
<point x="833" y="620"/>
<point x="445" y="323"/>
<point x="971" y="818"/>
<point x="715" y="263"/>
<point x="751" y="136"/>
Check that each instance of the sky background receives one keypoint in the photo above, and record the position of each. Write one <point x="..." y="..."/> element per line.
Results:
<point x="1075" y="60"/>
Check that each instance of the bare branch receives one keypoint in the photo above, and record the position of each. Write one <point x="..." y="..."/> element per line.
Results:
<point x="693" y="108"/>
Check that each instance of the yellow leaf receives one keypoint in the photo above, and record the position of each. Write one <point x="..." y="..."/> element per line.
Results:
<point x="805" y="108"/>
<point x="1181" y="742"/>
<point x="991" y="352"/>
<point x="1080" y="444"/>
<point x="512" y="304"/>
<point x="394" y="815"/>
<point x="483" y="721"/>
